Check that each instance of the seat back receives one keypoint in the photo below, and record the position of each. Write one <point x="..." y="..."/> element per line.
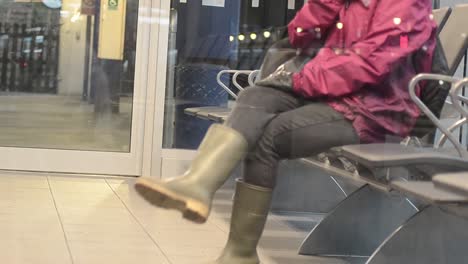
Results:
<point x="441" y="16"/>
<point x="454" y="37"/>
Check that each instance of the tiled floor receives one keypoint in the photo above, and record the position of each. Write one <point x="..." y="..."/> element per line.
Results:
<point x="63" y="219"/>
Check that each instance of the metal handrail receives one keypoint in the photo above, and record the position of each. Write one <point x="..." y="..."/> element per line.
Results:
<point x="251" y="79"/>
<point x="412" y="90"/>
<point x="218" y="79"/>
<point x="458" y="99"/>
<point x="234" y="78"/>
<point x="452" y="128"/>
<point x="252" y="76"/>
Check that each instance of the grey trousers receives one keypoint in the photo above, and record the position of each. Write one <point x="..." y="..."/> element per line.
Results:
<point x="279" y="125"/>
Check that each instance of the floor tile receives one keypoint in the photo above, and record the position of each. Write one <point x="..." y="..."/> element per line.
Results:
<point x="120" y="180"/>
<point x="13" y="181"/>
<point x="189" y="259"/>
<point x="74" y="178"/>
<point x="36" y="251"/>
<point x="291" y="257"/>
<point x="102" y="227"/>
<point x="100" y="187"/>
<point x="99" y="253"/>
<point x="192" y="251"/>
<point x="116" y="237"/>
<point x="98" y="201"/>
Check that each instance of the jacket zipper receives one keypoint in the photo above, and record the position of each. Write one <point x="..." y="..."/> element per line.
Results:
<point x="347" y="4"/>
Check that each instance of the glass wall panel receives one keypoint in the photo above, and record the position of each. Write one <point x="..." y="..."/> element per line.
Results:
<point x="66" y="73"/>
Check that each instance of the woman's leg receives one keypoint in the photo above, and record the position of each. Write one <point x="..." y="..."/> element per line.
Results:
<point x="220" y="152"/>
<point x="297" y="133"/>
<point x="305" y="131"/>
<point x="256" y="107"/>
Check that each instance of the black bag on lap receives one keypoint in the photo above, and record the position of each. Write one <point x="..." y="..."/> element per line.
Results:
<point x="283" y="53"/>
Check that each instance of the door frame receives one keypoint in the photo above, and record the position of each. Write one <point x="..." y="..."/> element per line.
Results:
<point x="164" y="162"/>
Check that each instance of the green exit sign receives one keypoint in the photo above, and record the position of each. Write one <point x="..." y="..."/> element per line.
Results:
<point x="113" y="4"/>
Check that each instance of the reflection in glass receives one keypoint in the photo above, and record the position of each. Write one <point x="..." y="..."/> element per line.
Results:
<point x="204" y="40"/>
<point x="67" y="74"/>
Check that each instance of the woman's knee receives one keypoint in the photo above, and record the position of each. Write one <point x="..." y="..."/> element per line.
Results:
<point x="252" y="94"/>
<point x="267" y="99"/>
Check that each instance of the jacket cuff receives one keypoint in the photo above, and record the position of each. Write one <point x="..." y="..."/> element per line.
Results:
<point x="297" y="83"/>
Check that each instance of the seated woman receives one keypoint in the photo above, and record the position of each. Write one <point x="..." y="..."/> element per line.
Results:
<point x="355" y="90"/>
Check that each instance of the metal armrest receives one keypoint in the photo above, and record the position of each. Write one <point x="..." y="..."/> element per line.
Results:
<point x="451" y="129"/>
<point x="218" y="79"/>
<point x="412" y="90"/>
<point x="459" y="100"/>
<point x="251" y="78"/>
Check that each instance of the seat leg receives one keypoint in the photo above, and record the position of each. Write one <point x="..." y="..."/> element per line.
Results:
<point x="359" y="224"/>
<point x="432" y="236"/>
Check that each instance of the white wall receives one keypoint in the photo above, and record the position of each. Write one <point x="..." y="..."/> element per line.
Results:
<point x="72" y="49"/>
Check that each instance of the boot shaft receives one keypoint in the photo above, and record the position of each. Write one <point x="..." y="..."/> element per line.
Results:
<point x="249" y="215"/>
<point x="220" y="152"/>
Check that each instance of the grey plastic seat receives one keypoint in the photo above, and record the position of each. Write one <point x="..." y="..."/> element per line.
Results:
<point x="456" y="182"/>
<point x="195" y="111"/>
<point x="428" y="191"/>
<point x="447" y="187"/>
<point x="207" y="111"/>
<point x="220" y="116"/>
<point x="192" y="111"/>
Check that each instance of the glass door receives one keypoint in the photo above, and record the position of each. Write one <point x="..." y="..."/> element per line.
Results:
<point x="73" y="85"/>
<point x="202" y="38"/>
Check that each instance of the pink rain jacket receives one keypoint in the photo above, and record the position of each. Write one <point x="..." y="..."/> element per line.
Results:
<point x="366" y="65"/>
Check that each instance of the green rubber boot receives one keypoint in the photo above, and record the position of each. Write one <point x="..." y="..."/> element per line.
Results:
<point x="192" y="193"/>
<point x="249" y="215"/>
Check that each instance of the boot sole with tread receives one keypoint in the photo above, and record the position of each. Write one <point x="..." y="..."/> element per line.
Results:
<point x="160" y="196"/>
